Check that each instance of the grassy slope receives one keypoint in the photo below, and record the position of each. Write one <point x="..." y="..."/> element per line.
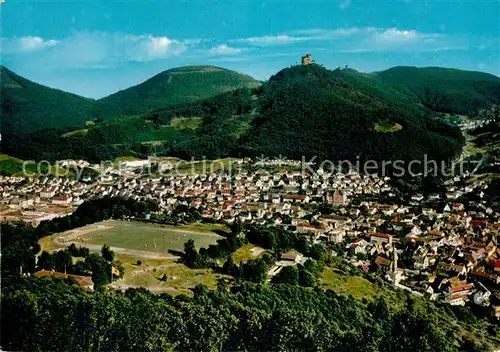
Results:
<point x="355" y="286"/>
<point x="127" y="130"/>
<point x="248" y="252"/>
<point x="179" y="278"/>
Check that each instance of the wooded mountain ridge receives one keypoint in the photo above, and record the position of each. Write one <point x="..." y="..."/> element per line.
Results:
<point x="196" y="111"/>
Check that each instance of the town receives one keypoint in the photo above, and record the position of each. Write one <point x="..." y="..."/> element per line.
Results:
<point x="446" y="253"/>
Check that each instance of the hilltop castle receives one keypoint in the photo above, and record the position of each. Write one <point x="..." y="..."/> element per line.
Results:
<point x="307" y="59"/>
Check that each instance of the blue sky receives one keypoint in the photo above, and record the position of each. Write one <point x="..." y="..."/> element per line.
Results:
<point x="94" y="48"/>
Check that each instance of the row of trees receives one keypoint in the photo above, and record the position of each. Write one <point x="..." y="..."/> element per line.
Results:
<point x="281" y="240"/>
<point x="96" y="210"/>
<point x="275" y="240"/>
<point x="207" y="257"/>
<point x="303" y="275"/>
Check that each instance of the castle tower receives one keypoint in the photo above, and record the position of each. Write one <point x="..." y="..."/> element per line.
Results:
<point x="307" y="59"/>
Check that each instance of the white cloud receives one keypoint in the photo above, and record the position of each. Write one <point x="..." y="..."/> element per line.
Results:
<point x="396" y="35"/>
<point x="149" y="48"/>
<point x="97" y="49"/>
<point x="102" y="50"/>
<point x="158" y="46"/>
<point x="359" y="39"/>
<point x="225" y="50"/>
<point x="26" y="44"/>
<point x="269" y="40"/>
<point x="35" y="43"/>
<point x="345" y="4"/>
<point x="306" y="35"/>
<point x="394" y="39"/>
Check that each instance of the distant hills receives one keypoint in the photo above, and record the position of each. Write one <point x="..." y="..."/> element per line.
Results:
<point x="27" y="106"/>
<point x="175" y="86"/>
<point x="310" y="111"/>
<point x="444" y="89"/>
<point x="305" y="110"/>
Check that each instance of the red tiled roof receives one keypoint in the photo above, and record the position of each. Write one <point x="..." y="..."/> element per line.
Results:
<point x="289" y="256"/>
<point x="494" y="263"/>
<point x="294" y="196"/>
<point x="481" y="223"/>
<point x="382" y="261"/>
<point x="461" y="288"/>
<point x="82" y="280"/>
<point x="436" y="233"/>
<point x="60" y="198"/>
<point x="483" y="274"/>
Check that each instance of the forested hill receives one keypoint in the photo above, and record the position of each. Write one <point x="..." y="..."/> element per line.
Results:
<point x="26" y="106"/>
<point x="444" y="89"/>
<point x="307" y="110"/>
<point x="314" y="111"/>
<point x="304" y="110"/>
<point x="175" y="86"/>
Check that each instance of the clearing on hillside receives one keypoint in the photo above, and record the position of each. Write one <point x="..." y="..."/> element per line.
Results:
<point x="248" y="252"/>
<point x="387" y="127"/>
<point x="163" y="275"/>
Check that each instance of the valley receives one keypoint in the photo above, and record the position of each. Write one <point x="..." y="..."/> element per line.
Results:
<point x="243" y="176"/>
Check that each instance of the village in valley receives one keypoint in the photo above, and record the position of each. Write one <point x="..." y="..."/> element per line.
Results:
<point x="257" y="176"/>
<point x="447" y="253"/>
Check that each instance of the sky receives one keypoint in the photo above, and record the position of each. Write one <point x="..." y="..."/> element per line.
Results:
<point x="95" y="48"/>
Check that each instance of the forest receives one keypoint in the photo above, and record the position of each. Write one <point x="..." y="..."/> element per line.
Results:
<point x="43" y="314"/>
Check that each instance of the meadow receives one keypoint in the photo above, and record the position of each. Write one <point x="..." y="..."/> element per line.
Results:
<point x="164" y="275"/>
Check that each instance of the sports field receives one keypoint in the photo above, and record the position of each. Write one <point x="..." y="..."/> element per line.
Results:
<point x="137" y="237"/>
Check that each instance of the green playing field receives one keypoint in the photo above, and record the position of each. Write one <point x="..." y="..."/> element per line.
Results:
<point x="146" y="237"/>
